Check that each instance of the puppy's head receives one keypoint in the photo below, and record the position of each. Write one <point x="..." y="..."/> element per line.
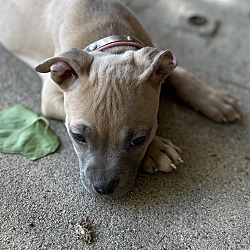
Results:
<point x="111" y="104"/>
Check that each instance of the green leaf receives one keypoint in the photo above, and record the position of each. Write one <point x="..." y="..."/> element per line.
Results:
<point x="23" y="131"/>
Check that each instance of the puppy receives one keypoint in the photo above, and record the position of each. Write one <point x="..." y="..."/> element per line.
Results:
<point x="105" y="80"/>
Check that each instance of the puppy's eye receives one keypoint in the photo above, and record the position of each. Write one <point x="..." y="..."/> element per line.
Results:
<point x="79" y="137"/>
<point x="138" y="141"/>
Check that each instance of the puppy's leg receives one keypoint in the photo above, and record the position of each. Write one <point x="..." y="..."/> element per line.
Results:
<point x="52" y="100"/>
<point x="216" y="104"/>
<point x="161" y="155"/>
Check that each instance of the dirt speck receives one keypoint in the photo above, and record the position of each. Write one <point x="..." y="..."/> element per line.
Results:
<point x="83" y="230"/>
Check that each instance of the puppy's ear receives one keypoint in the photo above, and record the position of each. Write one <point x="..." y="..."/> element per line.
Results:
<point x="67" y="67"/>
<point x="156" y="64"/>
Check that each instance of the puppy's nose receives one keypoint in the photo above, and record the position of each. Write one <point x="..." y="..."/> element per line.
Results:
<point x="105" y="187"/>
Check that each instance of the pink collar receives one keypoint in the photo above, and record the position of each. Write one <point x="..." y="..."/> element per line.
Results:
<point x="112" y="41"/>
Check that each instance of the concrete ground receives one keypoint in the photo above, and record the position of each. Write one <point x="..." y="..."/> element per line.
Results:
<point x="205" y="204"/>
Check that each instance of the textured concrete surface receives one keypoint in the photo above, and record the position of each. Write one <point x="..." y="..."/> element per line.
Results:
<point x="203" y="205"/>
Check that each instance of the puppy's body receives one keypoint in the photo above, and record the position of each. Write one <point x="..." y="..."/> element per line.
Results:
<point x="40" y="30"/>
<point x="109" y="99"/>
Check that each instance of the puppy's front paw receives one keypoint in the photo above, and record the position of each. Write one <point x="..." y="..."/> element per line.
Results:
<point x="162" y="155"/>
<point x="219" y="106"/>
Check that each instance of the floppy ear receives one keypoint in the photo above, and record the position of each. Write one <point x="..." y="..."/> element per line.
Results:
<point x="66" y="67"/>
<point x="156" y="64"/>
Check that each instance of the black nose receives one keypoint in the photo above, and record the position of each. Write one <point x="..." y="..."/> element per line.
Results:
<point x="105" y="187"/>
